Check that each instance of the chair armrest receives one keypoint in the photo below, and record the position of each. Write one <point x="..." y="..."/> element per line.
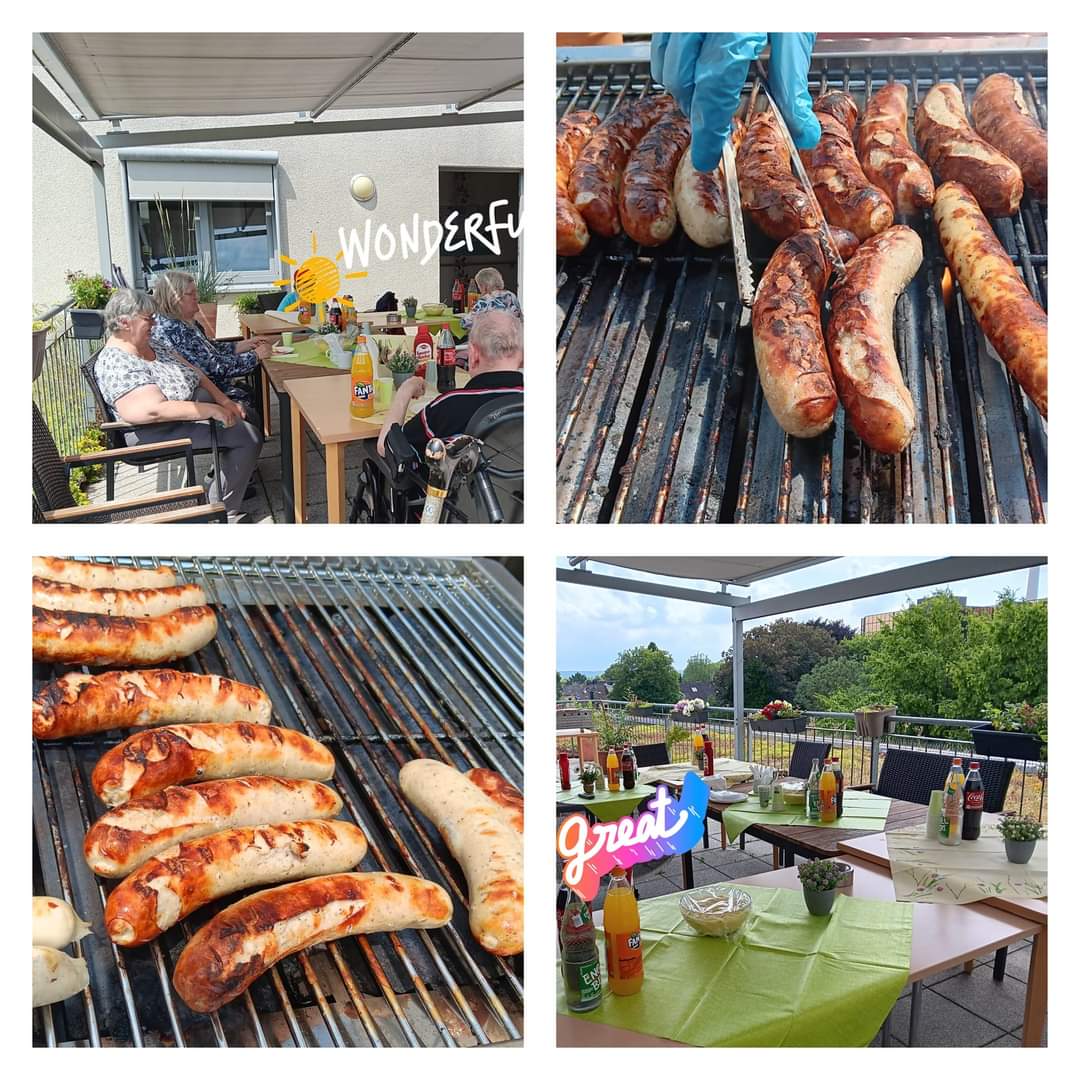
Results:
<point x="126" y="452"/>
<point x="188" y="513"/>
<point x="123" y="425"/>
<point x="73" y="513"/>
<point x="858" y="787"/>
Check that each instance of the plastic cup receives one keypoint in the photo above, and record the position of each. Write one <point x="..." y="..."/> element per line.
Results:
<point x="286" y="339"/>
<point x="384" y="393"/>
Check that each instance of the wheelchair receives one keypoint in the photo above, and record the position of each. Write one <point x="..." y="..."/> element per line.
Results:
<point x="474" y="477"/>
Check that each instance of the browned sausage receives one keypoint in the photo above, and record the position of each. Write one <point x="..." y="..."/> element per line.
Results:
<point x="860" y="338"/>
<point x="71" y="637"/>
<point x="847" y="243"/>
<point x="1002" y="118"/>
<point x="955" y="152"/>
<point x="507" y="798"/>
<point x="138" y="603"/>
<point x="847" y="198"/>
<point x="770" y="192"/>
<point x="1008" y="314"/>
<point x="78" y="704"/>
<point x="701" y="198"/>
<point x="887" y="156"/>
<point x="788" y="344"/>
<point x="102" y="575"/>
<point x="596" y="177"/>
<point x="647" y="199"/>
<point x="573" y="132"/>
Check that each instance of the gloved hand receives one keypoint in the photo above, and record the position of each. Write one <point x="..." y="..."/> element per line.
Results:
<point x="705" y="74"/>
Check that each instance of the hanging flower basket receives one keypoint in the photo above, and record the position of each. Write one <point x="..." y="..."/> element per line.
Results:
<point x="779" y="715"/>
<point x="873" y="721"/>
<point x="1018" y="745"/>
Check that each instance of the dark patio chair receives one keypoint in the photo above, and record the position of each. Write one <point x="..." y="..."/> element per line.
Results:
<point x="802" y="757"/>
<point x="53" y="501"/>
<point x="652" y="754"/>
<point x="913" y="774"/>
<point x="114" y="428"/>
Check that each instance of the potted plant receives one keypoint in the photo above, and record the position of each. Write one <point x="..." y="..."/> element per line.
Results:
<point x="246" y="303"/>
<point x="41" y="334"/>
<point x="690" y="708"/>
<point x="678" y="736"/>
<point x="820" y="879"/>
<point x="410" y="307"/>
<point x="590" y="774"/>
<point x="872" y="721"/>
<point x="91" y="293"/>
<point x="208" y="284"/>
<point x="779" y="715"/>
<point x="1021" y="835"/>
<point x="402" y="365"/>
<point x="1017" y="731"/>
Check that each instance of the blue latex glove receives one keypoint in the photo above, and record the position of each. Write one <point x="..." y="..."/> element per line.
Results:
<point x="705" y="74"/>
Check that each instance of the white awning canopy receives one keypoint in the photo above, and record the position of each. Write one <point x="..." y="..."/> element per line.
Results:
<point x="727" y="569"/>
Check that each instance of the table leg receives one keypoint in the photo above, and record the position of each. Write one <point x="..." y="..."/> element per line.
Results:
<point x="1035" y="1002"/>
<point x="264" y="383"/>
<point x="285" y="425"/>
<point x="916" y="1014"/>
<point x="687" y="870"/>
<point x="299" y="450"/>
<point x="335" y="483"/>
<point x="1001" y="958"/>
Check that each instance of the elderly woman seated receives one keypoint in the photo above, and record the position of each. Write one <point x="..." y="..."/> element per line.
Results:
<point x="494" y="296"/>
<point x="177" y="302"/>
<point x="147" y="386"/>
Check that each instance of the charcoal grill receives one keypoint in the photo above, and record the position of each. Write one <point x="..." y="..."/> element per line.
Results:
<point x="661" y="415"/>
<point x="383" y="661"/>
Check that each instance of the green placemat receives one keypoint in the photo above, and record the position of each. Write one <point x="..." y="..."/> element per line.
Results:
<point x="862" y="810"/>
<point x="307" y="351"/>
<point x="789" y="979"/>
<point x="606" y="805"/>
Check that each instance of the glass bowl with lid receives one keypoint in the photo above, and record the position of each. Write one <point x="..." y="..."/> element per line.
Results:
<point x="716" y="910"/>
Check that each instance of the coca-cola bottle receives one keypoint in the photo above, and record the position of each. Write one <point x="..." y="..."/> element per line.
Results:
<point x="629" y="772"/>
<point x="973" y="804"/>
<point x="457" y="297"/>
<point x="446" y="358"/>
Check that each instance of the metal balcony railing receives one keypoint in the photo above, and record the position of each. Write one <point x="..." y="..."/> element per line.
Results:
<point x="59" y="391"/>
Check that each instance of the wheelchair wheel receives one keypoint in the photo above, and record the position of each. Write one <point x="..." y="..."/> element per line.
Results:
<point x="365" y="504"/>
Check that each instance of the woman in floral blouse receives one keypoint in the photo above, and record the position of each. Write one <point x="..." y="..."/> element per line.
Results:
<point x="494" y="296"/>
<point x="175" y="329"/>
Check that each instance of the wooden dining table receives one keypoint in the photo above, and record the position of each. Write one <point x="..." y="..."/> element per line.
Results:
<point x="942" y="936"/>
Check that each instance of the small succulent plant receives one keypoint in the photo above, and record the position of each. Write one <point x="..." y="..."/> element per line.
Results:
<point x="401" y="362"/>
<point x="821" y="875"/>
<point x="1021" y="828"/>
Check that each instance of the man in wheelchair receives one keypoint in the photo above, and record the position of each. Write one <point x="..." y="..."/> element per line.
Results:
<point x="460" y="457"/>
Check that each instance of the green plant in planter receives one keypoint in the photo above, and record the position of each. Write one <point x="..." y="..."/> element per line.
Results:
<point x="91" y="441"/>
<point x="401" y="362"/>
<point x="590" y="772"/>
<point x="613" y="732"/>
<point x="89" y="291"/>
<point x="409" y="302"/>
<point x="677" y="736"/>
<point x="1021" y="717"/>
<point x="210" y="282"/>
<point x="821" y="875"/>
<point x="1021" y="829"/>
<point x="246" y="303"/>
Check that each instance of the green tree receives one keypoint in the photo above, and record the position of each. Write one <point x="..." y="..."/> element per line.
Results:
<point x="577" y="677"/>
<point x="837" y="627"/>
<point x="699" y="669"/>
<point x="839" y="684"/>
<point x="775" y="657"/>
<point x="645" y="672"/>
<point x="558" y="684"/>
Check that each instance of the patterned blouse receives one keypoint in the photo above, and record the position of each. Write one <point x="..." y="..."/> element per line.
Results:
<point x="218" y="359"/>
<point x="497" y="301"/>
<point x="119" y="372"/>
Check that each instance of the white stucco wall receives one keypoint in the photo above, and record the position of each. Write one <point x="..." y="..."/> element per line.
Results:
<point x="313" y="177"/>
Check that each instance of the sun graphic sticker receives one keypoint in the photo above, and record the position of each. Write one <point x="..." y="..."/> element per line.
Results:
<point x="317" y="279"/>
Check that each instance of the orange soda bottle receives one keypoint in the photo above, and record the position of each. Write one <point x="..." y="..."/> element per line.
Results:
<point x="613" y="770"/>
<point x="827" y="792"/>
<point x="622" y="936"/>
<point x="362" y="397"/>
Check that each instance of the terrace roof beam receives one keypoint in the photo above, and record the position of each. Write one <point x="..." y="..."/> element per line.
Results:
<point x="51" y="116"/>
<point x="361" y="73"/>
<point x="648" y="588"/>
<point x="467" y="103"/>
<point x="54" y="62"/>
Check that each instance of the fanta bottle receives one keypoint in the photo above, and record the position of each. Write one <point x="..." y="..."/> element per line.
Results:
<point x="362" y="400"/>
<point x="622" y="936"/>
<point x="612" y="769"/>
<point x="827" y="793"/>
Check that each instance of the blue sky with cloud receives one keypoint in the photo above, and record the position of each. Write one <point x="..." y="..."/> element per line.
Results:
<point x="594" y="625"/>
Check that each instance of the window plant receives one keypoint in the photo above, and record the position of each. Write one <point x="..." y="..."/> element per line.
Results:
<point x="1021" y="835"/>
<point x="208" y="284"/>
<point x="90" y="293"/>
<point x="246" y="303"/>
<point x="820" y="879"/>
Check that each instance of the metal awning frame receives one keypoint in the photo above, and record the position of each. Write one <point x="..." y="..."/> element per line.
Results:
<point x="745" y="609"/>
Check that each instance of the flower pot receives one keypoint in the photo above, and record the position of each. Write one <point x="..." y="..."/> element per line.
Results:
<point x="400" y="377"/>
<point x="87" y="324"/>
<point x="873" y="723"/>
<point x="1020" y="851"/>
<point x="209" y="318"/>
<point x="1019" y="745"/>
<point x="588" y="788"/>
<point x="792" y="725"/>
<point x="410" y="311"/>
<point x="819" y="903"/>
<point x="40" y="337"/>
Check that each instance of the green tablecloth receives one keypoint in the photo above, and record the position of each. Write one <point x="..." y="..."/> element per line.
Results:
<point x="605" y="805"/>
<point x="308" y="351"/>
<point x="862" y="810"/>
<point x="789" y="979"/>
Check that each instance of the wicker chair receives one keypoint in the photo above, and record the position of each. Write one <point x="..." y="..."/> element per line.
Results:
<point x="652" y="754"/>
<point x="802" y="757"/>
<point x="912" y="775"/>
<point x="114" y="429"/>
<point x="53" y="501"/>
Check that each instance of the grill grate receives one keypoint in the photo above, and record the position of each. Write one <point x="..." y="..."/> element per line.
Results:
<point x="661" y="416"/>
<point x="383" y="661"/>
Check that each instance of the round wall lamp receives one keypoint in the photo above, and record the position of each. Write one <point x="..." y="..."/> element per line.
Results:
<point x="362" y="188"/>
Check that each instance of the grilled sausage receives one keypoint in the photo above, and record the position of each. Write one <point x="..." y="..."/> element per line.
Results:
<point x="1007" y="313"/>
<point x="860" y="339"/>
<point x="848" y="199"/>
<point x="887" y="156"/>
<point x="573" y="132"/>
<point x="596" y="178"/>
<point x="701" y="198"/>
<point x="101" y="576"/>
<point x="137" y="603"/>
<point x="236" y="946"/>
<point x="56" y="923"/>
<point x="121" y="840"/>
<point x="955" y="152"/>
<point x="57" y="976"/>
<point x="184" y="877"/>
<point x="476" y="830"/>
<point x="647" y="199"/>
<point x="78" y="704"/>
<point x="1003" y="119"/>
<point x="71" y="637"/>
<point x="770" y="192"/>
<point x="847" y="243"/>
<point x="154" y="760"/>
<point x="508" y="800"/>
<point x="788" y="344"/>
